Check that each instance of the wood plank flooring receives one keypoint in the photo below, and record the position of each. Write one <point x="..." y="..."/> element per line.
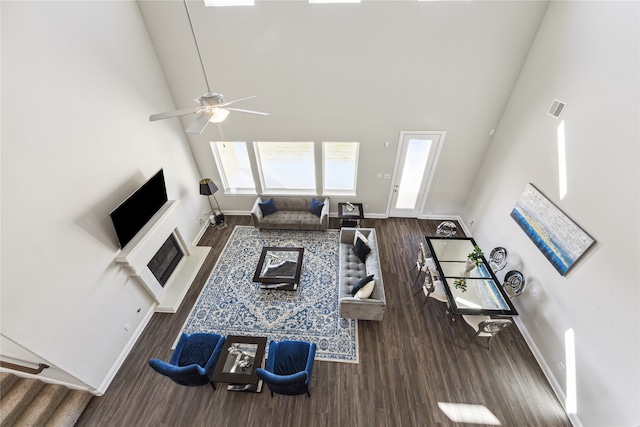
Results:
<point x="409" y="362"/>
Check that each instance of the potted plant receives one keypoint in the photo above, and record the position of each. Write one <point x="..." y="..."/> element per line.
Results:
<point x="460" y="284"/>
<point x="474" y="259"/>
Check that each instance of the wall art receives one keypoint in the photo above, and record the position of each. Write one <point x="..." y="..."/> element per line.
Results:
<point x="560" y="239"/>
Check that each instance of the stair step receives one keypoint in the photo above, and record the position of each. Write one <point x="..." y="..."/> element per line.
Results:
<point x="7" y="380"/>
<point x="17" y="399"/>
<point x="42" y="406"/>
<point x="70" y="409"/>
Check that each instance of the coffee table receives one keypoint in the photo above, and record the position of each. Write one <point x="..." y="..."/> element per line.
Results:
<point x="279" y="268"/>
<point x="240" y="357"/>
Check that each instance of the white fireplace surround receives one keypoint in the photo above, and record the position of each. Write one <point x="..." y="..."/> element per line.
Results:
<point x="141" y="249"/>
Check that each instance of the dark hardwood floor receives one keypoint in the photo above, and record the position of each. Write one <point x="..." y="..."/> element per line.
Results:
<point x="409" y="363"/>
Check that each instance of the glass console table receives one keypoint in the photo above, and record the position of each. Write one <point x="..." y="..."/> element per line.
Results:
<point x="474" y="291"/>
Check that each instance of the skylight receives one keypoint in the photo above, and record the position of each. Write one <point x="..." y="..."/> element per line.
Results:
<point x="229" y="2"/>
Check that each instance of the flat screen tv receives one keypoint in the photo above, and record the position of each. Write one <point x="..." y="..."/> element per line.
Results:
<point x="137" y="209"/>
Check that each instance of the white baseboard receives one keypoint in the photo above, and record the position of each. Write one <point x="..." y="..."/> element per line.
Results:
<point x="125" y="352"/>
<point x="548" y="373"/>
<point x="200" y="233"/>
<point x="373" y="215"/>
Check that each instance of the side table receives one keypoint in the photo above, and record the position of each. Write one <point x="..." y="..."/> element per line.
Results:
<point x="350" y="214"/>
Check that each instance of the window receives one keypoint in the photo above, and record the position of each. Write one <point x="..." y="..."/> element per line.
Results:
<point x="286" y="167"/>
<point x="233" y="163"/>
<point x="340" y="166"/>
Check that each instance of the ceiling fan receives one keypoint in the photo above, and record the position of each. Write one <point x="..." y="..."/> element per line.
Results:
<point x="212" y="108"/>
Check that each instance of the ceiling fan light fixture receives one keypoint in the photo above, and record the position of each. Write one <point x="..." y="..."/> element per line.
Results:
<point x="218" y="115"/>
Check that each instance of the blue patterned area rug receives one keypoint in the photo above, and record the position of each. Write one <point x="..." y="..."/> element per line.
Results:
<point x="232" y="304"/>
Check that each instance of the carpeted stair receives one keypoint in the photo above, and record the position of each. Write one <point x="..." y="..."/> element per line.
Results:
<point x="30" y="402"/>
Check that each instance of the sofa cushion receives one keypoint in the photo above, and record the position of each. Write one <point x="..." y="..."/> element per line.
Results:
<point x="268" y="207"/>
<point x="293" y="203"/>
<point x="316" y="207"/>
<point x="361" y="249"/>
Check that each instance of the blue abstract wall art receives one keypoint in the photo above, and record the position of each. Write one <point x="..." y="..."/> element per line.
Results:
<point x="560" y="239"/>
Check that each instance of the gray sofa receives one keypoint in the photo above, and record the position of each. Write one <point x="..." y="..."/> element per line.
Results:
<point x="293" y="214"/>
<point x="352" y="269"/>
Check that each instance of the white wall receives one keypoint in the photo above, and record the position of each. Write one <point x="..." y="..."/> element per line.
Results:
<point x="586" y="54"/>
<point x="352" y="72"/>
<point x="79" y="80"/>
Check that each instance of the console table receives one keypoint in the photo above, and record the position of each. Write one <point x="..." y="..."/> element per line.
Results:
<point x="479" y="291"/>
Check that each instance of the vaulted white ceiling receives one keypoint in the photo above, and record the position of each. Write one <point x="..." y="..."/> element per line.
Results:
<point x="358" y="72"/>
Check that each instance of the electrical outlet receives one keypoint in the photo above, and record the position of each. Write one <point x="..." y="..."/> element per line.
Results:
<point x="379" y="176"/>
<point x="127" y="326"/>
<point x="366" y="206"/>
<point x="560" y="366"/>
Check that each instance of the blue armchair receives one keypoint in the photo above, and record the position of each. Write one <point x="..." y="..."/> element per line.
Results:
<point x="288" y="367"/>
<point x="193" y="361"/>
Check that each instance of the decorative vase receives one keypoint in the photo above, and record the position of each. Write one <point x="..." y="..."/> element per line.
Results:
<point x="471" y="264"/>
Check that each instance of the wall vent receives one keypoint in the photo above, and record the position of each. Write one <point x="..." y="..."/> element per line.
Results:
<point x="556" y="109"/>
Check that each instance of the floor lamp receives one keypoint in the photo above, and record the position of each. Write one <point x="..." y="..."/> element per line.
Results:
<point x="209" y="188"/>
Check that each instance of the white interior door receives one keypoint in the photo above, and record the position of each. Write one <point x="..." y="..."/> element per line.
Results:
<point x="415" y="164"/>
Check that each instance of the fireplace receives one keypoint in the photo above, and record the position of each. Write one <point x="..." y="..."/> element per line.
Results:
<point x="165" y="260"/>
<point x="160" y="259"/>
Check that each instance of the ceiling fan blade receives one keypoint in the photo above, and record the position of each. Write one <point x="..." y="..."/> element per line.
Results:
<point x="260" y="113"/>
<point x="199" y="124"/>
<point x="176" y="113"/>
<point x="237" y="100"/>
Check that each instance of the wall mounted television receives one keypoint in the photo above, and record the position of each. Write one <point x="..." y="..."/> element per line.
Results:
<point x="137" y="209"/>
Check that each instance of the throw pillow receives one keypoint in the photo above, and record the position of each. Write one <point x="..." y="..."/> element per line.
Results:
<point x="361" y="249"/>
<point x="360" y="284"/>
<point x="359" y="235"/>
<point x="268" y="207"/>
<point x="366" y="290"/>
<point x="316" y="207"/>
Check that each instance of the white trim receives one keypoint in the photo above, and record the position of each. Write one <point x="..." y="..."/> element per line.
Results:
<point x="333" y="191"/>
<point x="274" y="191"/>
<point x="431" y="172"/>
<point x="203" y="229"/>
<point x="125" y="352"/>
<point x="548" y="373"/>
<point x="544" y="366"/>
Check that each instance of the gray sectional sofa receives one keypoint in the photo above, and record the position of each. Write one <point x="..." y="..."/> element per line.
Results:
<point x="352" y="269"/>
<point x="293" y="213"/>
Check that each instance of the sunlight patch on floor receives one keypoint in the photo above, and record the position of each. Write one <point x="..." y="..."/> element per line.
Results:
<point x="467" y="413"/>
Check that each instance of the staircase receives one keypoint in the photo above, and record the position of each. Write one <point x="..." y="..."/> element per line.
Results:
<point x="31" y="402"/>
